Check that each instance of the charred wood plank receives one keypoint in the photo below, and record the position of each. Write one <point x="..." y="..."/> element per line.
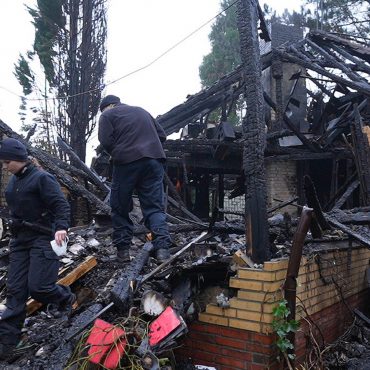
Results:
<point x="354" y="48"/>
<point x="330" y="204"/>
<point x="335" y="63"/>
<point x="359" y="63"/>
<point x="362" y="316"/>
<point x="282" y="205"/>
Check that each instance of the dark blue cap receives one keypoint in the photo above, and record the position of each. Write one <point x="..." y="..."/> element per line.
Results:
<point x="108" y="100"/>
<point x="13" y="150"/>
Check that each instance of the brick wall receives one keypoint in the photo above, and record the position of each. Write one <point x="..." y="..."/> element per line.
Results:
<point x="228" y="348"/>
<point x="281" y="182"/>
<point x="330" y="323"/>
<point x="241" y="336"/>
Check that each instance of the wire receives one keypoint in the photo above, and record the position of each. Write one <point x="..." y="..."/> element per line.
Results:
<point x="132" y="72"/>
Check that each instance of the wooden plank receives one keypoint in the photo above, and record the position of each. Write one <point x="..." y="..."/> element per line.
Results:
<point x="351" y="188"/>
<point x="84" y="267"/>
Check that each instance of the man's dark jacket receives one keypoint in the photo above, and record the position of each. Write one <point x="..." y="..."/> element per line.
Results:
<point x="35" y="196"/>
<point x="130" y="133"/>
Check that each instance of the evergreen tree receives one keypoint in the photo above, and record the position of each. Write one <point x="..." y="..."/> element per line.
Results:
<point x="70" y="43"/>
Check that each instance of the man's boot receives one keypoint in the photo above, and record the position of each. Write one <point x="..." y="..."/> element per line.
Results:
<point x="63" y="309"/>
<point x="162" y="255"/>
<point x="6" y="350"/>
<point x="123" y="255"/>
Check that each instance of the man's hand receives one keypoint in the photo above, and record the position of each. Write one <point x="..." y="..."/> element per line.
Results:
<point x="60" y="236"/>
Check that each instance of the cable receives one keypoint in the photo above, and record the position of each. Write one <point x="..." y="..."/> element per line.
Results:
<point x="132" y="72"/>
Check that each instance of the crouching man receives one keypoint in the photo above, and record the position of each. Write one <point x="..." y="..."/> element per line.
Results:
<point x="33" y="196"/>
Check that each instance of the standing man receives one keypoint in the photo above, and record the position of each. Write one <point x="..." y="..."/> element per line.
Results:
<point x="33" y="196"/>
<point x="134" y="140"/>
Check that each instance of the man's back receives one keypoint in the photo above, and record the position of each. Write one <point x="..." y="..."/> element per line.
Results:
<point x="130" y="133"/>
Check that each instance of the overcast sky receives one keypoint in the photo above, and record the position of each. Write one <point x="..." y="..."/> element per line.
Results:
<point x="138" y="32"/>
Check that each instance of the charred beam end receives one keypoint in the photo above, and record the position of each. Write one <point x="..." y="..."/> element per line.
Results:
<point x="123" y="288"/>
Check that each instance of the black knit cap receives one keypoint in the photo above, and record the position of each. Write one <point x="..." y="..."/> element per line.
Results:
<point x="109" y="99"/>
<point x="13" y="150"/>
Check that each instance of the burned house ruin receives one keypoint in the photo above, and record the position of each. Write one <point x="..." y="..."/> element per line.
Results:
<point x="236" y="198"/>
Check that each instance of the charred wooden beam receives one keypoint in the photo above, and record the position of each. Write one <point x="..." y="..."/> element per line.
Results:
<point x="193" y="226"/>
<point x="359" y="64"/>
<point x="346" y="194"/>
<point x="348" y="217"/>
<point x="335" y="63"/>
<point x="310" y="64"/>
<point x="200" y="104"/>
<point x="354" y="48"/>
<point x="253" y="133"/>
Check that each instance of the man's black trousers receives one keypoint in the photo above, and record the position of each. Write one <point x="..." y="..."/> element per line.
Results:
<point x="33" y="271"/>
<point x="146" y="176"/>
